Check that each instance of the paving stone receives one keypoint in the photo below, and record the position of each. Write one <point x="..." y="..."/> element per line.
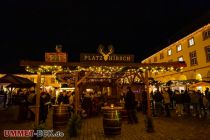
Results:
<point x="174" y="128"/>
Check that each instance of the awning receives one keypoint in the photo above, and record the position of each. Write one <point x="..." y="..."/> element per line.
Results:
<point x="16" y="81"/>
<point x="199" y="84"/>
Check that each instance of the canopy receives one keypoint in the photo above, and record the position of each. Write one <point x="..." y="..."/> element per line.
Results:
<point x="199" y="84"/>
<point x="16" y="81"/>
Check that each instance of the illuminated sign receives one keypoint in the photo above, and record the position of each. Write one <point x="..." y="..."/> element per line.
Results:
<point x="56" y="57"/>
<point x="110" y="58"/>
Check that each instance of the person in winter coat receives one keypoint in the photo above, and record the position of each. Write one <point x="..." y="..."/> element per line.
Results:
<point x="179" y="103"/>
<point x="186" y="102"/>
<point x="130" y="106"/>
<point x="158" y="98"/>
<point x="166" y="101"/>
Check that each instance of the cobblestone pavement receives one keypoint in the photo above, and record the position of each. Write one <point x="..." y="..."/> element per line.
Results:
<point x="165" y="129"/>
<point x="174" y="128"/>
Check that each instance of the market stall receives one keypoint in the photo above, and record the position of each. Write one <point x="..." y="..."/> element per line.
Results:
<point x="120" y="69"/>
<point x="200" y="86"/>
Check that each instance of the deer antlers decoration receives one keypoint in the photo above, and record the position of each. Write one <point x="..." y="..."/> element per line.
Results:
<point x="101" y="51"/>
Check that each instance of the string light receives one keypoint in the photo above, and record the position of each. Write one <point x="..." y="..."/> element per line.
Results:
<point x="104" y="71"/>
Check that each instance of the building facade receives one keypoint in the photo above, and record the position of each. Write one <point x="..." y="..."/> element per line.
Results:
<point x="194" y="49"/>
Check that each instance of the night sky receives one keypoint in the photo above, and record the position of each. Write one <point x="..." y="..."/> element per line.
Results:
<point x="29" y="28"/>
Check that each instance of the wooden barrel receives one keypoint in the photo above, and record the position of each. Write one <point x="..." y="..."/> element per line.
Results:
<point x="60" y="115"/>
<point x="124" y="114"/>
<point x="112" y="122"/>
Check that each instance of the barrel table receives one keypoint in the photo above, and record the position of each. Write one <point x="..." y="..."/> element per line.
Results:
<point x="60" y="115"/>
<point x="112" y="120"/>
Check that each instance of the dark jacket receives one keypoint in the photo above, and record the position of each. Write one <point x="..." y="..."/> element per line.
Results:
<point x="179" y="98"/>
<point x="158" y="97"/>
<point x="130" y="100"/>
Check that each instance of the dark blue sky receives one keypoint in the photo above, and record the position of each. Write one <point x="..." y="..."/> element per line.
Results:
<point x="30" y="28"/>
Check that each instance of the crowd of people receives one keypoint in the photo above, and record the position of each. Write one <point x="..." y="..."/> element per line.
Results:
<point x="185" y="102"/>
<point x="90" y="102"/>
<point x="188" y="102"/>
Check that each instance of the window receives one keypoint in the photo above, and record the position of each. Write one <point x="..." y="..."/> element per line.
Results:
<point x="191" y="42"/>
<point x="161" y="55"/>
<point x="207" y="49"/>
<point x="193" y="58"/>
<point x="169" y="52"/>
<point x="155" y="59"/>
<point x="179" y="48"/>
<point x="180" y="58"/>
<point x="206" y="34"/>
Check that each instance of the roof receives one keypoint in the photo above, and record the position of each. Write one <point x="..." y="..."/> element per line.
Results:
<point x="16" y="81"/>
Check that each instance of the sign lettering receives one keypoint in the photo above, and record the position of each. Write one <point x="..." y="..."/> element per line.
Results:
<point x="56" y="57"/>
<point x="110" y="58"/>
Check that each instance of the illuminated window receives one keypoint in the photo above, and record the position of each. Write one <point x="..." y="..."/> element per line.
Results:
<point x="180" y="58"/>
<point x="161" y="55"/>
<point x="193" y="58"/>
<point x="206" y="34"/>
<point x="179" y="48"/>
<point x="207" y="49"/>
<point x="169" y="52"/>
<point x="155" y="59"/>
<point x="191" y="42"/>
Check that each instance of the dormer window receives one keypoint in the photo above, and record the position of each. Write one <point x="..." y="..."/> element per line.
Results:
<point x="169" y="52"/>
<point x="179" y="48"/>
<point x="206" y="34"/>
<point x="191" y="42"/>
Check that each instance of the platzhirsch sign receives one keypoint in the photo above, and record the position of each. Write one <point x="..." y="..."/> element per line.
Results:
<point x="112" y="58"/>
<point x="56" y="57"/>
<point x="109" y="56"/>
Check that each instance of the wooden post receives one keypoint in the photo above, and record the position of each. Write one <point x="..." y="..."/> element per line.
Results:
<point x="76" y="93"/>
<point x="37" y="91"/>
<point x="148" y="94"/>
<point x="114" y="88"/>
<point x="77" y="82"/>
<point x="150" y="125"/>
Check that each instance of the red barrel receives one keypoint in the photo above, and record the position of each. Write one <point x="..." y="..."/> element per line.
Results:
<point x="60" y="115"/>
<point x="112" y="122"/>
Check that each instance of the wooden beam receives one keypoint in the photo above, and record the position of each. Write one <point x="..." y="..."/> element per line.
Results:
<point x="76" y="93"/>
<point x="77" y="98"/>
<point x="88" y="64"/>
<point x="37" y="91"/>
<point x="83" y="78"/>
<point x="129" y="80"/>
<point x="150" y="126"/>
<point x="141" y="77"/>
<point x="148" y="94"/>
<point x="134" y="76"/>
